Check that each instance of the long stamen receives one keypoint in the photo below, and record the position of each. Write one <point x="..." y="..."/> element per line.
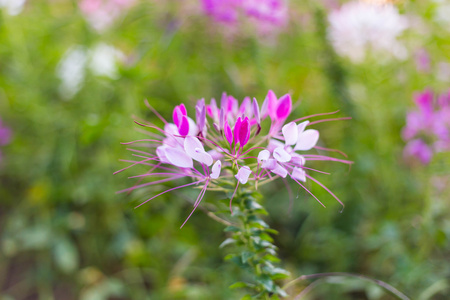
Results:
<point x="197" y="202"/>
<point x="329" y="120"/>
<point x="309" y="192"/>
<point x="169" y="190"/>
<point x="326" y="189"/>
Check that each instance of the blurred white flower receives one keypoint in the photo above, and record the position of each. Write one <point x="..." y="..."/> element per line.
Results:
<point x="13" y="7"/>
<point x="101" y="61"/>
<point x="71" y="71"/>
<point x="101" y="14"/>
<point x="358" y="27"/>
<point x="442" y="12"/>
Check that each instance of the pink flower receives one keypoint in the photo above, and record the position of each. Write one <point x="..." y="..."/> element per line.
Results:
<point x="226" y="144"/>
<point x="5" y="136"/>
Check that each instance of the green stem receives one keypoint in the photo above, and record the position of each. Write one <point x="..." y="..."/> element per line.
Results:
<point x="255" y="251"/>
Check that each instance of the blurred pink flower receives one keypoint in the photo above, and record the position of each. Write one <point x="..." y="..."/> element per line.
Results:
<point x="101" y="14"/>
<point x="266" y="16"/>
<point x="230" y="144"/>
<point x="5" y="136"/>
<point x="427" y="128"/>
<point x="423" y="61"/>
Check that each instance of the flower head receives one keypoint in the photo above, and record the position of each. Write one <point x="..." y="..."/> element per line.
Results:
<point x="230" y="144"/>
<point x="427" y="128"/>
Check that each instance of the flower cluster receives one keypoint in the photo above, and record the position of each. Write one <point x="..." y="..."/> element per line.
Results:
<point x="5" y="136"/>
<point x="231" y="144"/>
<point x="101" y="14"/>
<point x="265" y="15"/>
<point x="427" y="128"/>
<point x="358" y="27"/>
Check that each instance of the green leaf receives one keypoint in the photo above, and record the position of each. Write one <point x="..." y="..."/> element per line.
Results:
<point x="246" y="255"/>
<point x="227" y="242"/>
<point x="232" y="229"/>
<point x="241" y="284"/>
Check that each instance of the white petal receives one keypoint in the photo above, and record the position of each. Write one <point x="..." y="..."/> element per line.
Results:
<point x="281" y="155"/>
<point x="297" y="159"/>
<point x="178" y="158"/>
<point x="290" y="133"/>
<point x="263" y="155"/>
<point x="307" y="140"/>
<point x="243" y="174"/>
<point x="301" y="127"/>
<point x="195" y="150"/>
<point x="216" y="169"/>
<point x="269" y="164"/>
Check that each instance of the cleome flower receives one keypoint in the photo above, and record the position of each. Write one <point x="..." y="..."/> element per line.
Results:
<point x="229" y="144"/>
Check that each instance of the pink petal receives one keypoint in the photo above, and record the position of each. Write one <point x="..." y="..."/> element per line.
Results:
<point x="195" y="150"/>
<point x="273" y="103"/>
<point x="161" y="152"/>
<point x="243" y="174"/>
<point x="299" y="174"/>
<point x="221" y="118"/>
<point x="216" y="169"/>
<point x="290" y="133"/>
<point x="245" y="108"/>
<point x="284" y="107"/>
<point x="200" y="114"/>
<point x="307" y="140"/>
<point x="178" y="158"/>
<point x="263" y="155"/>
<point x="177" y="114"/>
<point x="281" y="155"/>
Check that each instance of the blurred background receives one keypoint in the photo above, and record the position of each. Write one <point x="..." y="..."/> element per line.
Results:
<point x="74" y="76"/>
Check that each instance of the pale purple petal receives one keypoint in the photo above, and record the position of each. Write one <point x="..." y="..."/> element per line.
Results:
<point x="297" y="159"/>
<point x="299" y="174"/>
<point x="243" y="174"/>
<point x="221" y="118"/>
<point x="307" y="140"/>
<point x="281" y="155"/>
<point x="161" y="152"/>
<point x="269" y="164"/>
<point x="265" y="108"/>
<point x="193" y="128"/>
<point x="290" y="133"/>
<point x="255" y="107"/>
<point x="280" y="171"/>
<point x="178" y="158"/>
<point x="216" y="169"/>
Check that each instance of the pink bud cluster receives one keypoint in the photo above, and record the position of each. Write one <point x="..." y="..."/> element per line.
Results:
<point x="427" y="128"/>
<point x="265" y="15"/>
<point x="230" y="143"/>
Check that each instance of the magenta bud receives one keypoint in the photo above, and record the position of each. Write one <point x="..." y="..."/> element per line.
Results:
<point x="228" y="133"/>
<point x="284" y="107"/>
<point x="244" y="132"/>
<point x="237" y="128"/>
<point x="183" y="127"/>
<point x="178" y="112"/>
